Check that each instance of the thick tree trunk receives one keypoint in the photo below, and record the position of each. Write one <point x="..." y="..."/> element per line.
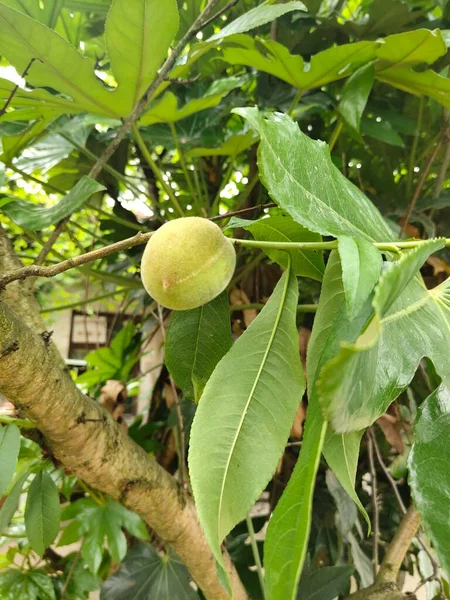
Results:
<point x="88" y="442"/>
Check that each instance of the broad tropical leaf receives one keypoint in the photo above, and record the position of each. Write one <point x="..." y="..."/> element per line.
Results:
<point x="35" y="217"/>
<point x="145" y="575"/>
<point x="138" y="36"/>
<point x="196" y="341"/>
<point x="410" y="322"/>
<point x="9" y="451"/>
<point x="42" y="512"/>
<point x="56" y="65"/>
<point x="306" y="263"/>
<point x="428" y="470"/>
<point x="245" y="414"/>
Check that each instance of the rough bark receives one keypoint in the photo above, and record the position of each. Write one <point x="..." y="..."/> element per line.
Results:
<point x="88" y="442"/>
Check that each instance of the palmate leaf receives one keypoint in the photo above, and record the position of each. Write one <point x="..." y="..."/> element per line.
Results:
<point x="145" y="575"/>
<point x="35" y="217"/>
<point x="138" y="37"/>
<point x="245" y="414"/>
<point x="26" y="585"/>
<point x="196" y="341"/>
<point x="57" y="63"/>
<point x="410" y="322"/>
<point x="429" y="476"/>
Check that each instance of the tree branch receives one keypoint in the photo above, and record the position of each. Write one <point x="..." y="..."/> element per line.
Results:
<point x="87" y="441"/>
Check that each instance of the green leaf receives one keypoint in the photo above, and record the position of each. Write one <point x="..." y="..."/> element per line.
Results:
<point x="196" y="341"/>
<point x="26" y="585"/>
<point x="355" y="94"/>
<point x="9" y="451"/>
<point x="35" y="217"/>
<point x="166" y="110"/>
<point x="361" y="266"/>
<point x="410" y="322"/>
<point x="288" y="532"/>
<point x="42" y="512"/>
<point x="306" y="263"/>
<point x="330" y="65"/>
<point x="256" y="17"/>
<point x="382" y="131"/>
<point x="426" y="83"/>
<point x="346" y="509"/>
<point x="95" y="522"/>
<point x="325" y="584"/>
<point x="57" y="64"/>
<point x="245" y="414"/>
<point x="46" y="12"/>
<point x="302" y="179"/>
<point x="428" y="464"/>
<point x="233" y="146"/>
<point x="410" y="48"/>
<point x="138" y="37"/>
<point x="145" y="575"/>
<point x="9" y="507"/>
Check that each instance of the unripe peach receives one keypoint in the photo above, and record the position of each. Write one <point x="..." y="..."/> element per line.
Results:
<point x="187" y="263"/>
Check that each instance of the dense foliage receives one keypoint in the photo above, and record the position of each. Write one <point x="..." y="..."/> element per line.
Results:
<point x="316" y="134"/>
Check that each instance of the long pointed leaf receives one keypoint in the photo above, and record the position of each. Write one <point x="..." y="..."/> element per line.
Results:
<point x="245" y="414"/>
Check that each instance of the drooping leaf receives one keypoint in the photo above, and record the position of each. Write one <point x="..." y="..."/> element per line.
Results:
<point x="361" y="267"/>
<point x="196" y="341"/>
<point x="138" y="37"/>
<point x="256" y="17"/>
<point x="35" y="217"/>
<point x="57" y="64"/>
<point x="428" y="464"/>
<point x="245" y="414"/>
<point x="298" y="172"/>
<point x="346" y="509"/>
<point x="10" y="505"/>
<point x="382" y="131"/>
<point x="288" y="532"/>
<point x="9" y="451"/>
<point x="410" y="322"/>
<point x="145" y="575"/>
<point x="355" y="94"/>
<point x="426" y="83"/>
<point x="42" y="512"/>
<point x="306" y="263"/>
<point x="326" y="583"/>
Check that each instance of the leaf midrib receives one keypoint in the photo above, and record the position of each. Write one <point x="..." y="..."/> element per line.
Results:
<point x="252" y="391"/>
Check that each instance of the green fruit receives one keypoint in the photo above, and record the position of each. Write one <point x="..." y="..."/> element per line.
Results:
<point x="187" y="263"/>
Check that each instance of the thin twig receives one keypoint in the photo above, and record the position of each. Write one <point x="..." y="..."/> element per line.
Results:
<point x="421" y="183"/>
<point x="242" y="211"/>
<point x="376" y="515"/>
<point x="70" y="574"/>
<point x="256" y="556"/>
<point x="14" y="90"/>
<point x="221" y="12"/>
<point x="387" y="472"/>
<point x="47" y="247"/>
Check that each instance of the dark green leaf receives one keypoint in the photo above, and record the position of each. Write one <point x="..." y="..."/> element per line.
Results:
<point x="382" y="131"/>
<point x="325" y="584"/>
<point x="145" y="575"/>
<point x="428" y="470"/>
<point x="35" y="217"/>
<point x="196" y="340"/>
<point x="10" y="505"/>
<point x="26" y="585"/>
<point x="42" y="512"/>
<point x="259" y="380"/>
<point x="355" y="94"/>
<point x="9" y="451"/>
